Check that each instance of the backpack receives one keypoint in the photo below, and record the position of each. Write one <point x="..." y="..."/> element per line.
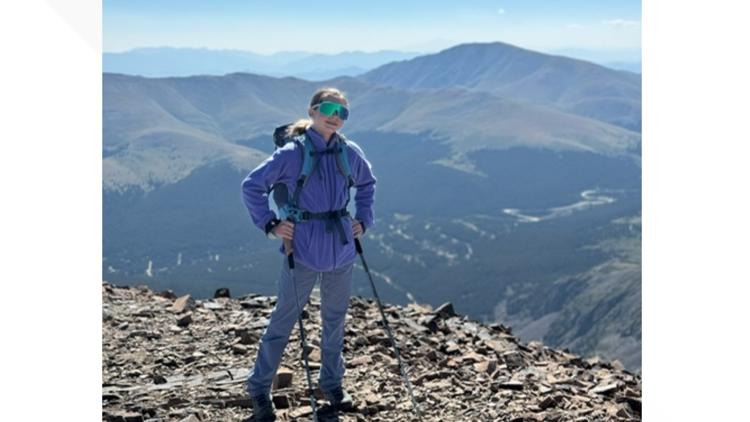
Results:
<point x="289" y="207"/>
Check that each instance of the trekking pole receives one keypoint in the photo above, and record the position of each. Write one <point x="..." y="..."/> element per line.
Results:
<point x="290" y="258"/>
<point x="358" y="245"/>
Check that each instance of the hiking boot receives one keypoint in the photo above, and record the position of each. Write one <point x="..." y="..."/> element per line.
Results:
<point x="339" y="398"/>
<point x="263" y="408"/>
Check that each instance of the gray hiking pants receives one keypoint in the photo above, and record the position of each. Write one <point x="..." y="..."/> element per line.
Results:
<point x="335" y="290"/>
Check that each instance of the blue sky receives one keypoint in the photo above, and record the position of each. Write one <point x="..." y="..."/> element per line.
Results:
<point x="332" y="27"/>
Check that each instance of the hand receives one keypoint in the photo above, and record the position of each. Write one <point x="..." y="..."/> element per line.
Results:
<point x="284" y="230"/>
<point x="357" y="228"/>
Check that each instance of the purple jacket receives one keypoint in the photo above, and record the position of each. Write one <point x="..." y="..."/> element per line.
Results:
<point x="325" y="191"/>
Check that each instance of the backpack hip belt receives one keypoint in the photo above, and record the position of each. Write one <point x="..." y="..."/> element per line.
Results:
<point x="330" y="217"/>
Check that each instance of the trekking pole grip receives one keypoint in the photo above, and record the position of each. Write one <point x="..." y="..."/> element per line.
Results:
<point x="289" y="253"/>
<point x="358" y="245"/>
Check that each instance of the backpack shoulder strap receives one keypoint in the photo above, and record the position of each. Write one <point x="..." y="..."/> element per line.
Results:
<point x="310" y="159"/>
<point x="342" y="160"/>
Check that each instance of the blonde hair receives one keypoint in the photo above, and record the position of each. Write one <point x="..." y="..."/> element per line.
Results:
<point x="322" y="94"/>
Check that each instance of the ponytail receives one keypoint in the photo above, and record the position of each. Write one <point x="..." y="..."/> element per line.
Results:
<point x="297" y="128"/>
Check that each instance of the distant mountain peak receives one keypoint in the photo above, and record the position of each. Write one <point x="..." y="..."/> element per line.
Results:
<point x="504" y="70"/>
<point x="488" y="45"/>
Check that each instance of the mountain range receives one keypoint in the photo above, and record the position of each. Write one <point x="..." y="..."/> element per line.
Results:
<point x="518" y="111"/>
<point x="174" y="61"/>
<point x="503" y="174"/>
<point x="170" y="61"/>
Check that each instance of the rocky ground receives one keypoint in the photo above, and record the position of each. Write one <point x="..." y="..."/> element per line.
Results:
<point x="178" y="359"/>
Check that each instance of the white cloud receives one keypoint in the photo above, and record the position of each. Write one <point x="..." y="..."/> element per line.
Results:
<point x="500" y="11"/>
<point x="621" y="23"/>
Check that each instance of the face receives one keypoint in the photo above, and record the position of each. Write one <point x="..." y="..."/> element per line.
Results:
<point x="326" y="125"/>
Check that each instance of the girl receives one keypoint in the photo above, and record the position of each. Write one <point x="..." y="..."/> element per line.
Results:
<point x="323" y="246"/>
